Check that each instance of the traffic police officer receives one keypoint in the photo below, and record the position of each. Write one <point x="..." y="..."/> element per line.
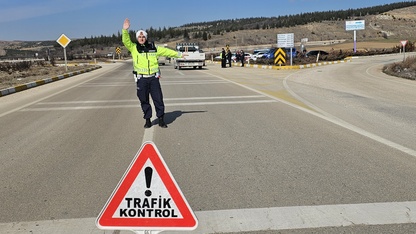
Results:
<point x="146" y="72"/>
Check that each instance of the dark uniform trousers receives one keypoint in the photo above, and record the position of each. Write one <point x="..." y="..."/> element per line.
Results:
<point x="146" y="86"/>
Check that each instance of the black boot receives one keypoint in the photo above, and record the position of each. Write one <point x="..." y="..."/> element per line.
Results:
<point x="148" y="124"/>
<point x="162" y="123"/>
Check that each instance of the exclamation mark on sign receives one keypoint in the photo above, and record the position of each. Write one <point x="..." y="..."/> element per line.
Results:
<point x="148" y="171"/>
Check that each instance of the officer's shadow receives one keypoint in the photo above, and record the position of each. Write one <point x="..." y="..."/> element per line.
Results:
<point x="170" y="117"/>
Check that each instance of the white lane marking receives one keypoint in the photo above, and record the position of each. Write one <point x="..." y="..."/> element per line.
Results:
<point x="136" y="106"/>
<point x="54" y="94"/>
<point x="192" y="81"/>
<point x="104" y="85"/>
<point x="136" y="100"/>
<point x="297" y="217"/>
<point x="221" y="103"/>
<point x="212" y="98"/>
<point x="333" y="119"/>
<point x="149" y="132"/>
<point x="328" y="117"/>
<point x="119" y="84"/>
<point x="256" y="219"/>
<point x="181" y="73"/>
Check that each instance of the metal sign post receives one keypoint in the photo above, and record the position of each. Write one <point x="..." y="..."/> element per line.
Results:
<point x="64" y="41"/>
<point x="147" y="232"/>
<point x="354" y="26"/>
<point x="286" y="41"/>
<point x="355" y="41"/>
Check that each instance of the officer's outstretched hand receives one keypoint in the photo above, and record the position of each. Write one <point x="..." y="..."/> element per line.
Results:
<point x="184" y="55"/>
<point x="126" y="24"/>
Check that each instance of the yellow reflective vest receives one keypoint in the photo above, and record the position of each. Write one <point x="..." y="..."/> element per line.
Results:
<point x="146" y="62"/>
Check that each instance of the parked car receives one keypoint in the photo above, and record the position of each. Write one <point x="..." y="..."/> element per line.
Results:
<point x="233" y="57"/>
<point x="260" y="50"/>
<point x="294" y="52"/>
<point x="162" y="60"/>
<point x="258" y="55"/>
<point x="270" y="53"/>
<point x="247" y="57"/>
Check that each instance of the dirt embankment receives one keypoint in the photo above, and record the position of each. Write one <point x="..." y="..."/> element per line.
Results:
<point x="405" y="69"/>
<point x="13" y="75"/>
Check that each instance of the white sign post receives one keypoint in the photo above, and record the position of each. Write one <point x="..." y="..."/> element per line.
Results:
<point x="286" y="41"/>
<point x="64" y="41"/>
<point x="355" y="25"/>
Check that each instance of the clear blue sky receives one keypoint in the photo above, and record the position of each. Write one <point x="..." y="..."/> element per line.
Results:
<point x="32" y="20"/>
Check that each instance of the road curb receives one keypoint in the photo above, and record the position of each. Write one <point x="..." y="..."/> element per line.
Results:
<point x="37" y="83"/>
<point x="311" y="65"/>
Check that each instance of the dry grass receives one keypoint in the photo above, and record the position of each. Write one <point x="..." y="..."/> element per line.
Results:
<point x="361" y="45"/>
<point x="405" y="69"/>
<point x="14" y="75"/>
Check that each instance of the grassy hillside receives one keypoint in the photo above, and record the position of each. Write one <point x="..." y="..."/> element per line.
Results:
<point x="383" y="30"/>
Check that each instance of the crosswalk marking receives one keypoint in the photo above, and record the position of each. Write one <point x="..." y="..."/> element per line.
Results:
<point x="255" y="219"/>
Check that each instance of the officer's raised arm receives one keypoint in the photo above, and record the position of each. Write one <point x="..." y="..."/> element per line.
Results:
<point x="126" y="24"/>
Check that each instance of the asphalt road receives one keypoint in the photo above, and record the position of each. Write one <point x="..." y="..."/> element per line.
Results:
<point x="329" y="149"/>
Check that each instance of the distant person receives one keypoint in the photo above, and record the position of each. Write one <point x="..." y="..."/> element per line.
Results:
<point x="237" y="56"/>
<point x="229" y="57"/>
<point x="146" y="72"/>
<point x="242" y="57"/>
<point x="223" y="58"/>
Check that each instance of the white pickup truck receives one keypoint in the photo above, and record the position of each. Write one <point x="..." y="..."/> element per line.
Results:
<point x="195" y="57"/>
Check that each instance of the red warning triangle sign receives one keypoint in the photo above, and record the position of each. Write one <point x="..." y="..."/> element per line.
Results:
<point x="147" y="198"/>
